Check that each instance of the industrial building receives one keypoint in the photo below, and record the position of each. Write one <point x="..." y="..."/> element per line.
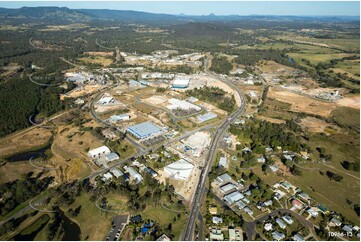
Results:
<point x="223" y="178"/>
<point x="100" y="151"/>
<point x="116" y="172"/>
<point x="112" y="157"/>
<point x="106" y="100"/>
<point x="181" y="82"/>
<point x="227" y="188"/>
<point x="205" y="117"/>
<point x="233" y="197"/>
<point x="180" y="170"/>
<point x="134" y="175"/>
<point x="145" y="130"/>
<point x="118" y="118"/>
<point x="181" y="104"/>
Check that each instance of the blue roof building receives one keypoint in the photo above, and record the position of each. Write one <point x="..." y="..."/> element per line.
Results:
<point x="145" y="130"/>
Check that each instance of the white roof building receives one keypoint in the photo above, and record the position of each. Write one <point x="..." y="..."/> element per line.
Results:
<point x="106" y="100"/>
<point x="281" y="223"/>
<point x="181" y="82"/>
<point x="227" y="188"/>
<point x="116" y="172"/>
<point x="287" y="219"/>
<point x="223" y="178"/>
<point x="180" y="170"/>
<point x="233" y="197"/>
<point x="108" y="176"/>
<point x="217" y="220"/>
<point x="181" y="104"/>
<point x="102" y="150"/>
<point x="133" y="174"/>
<point x="268" y="227"/>
<point x="278" y="236"/>
<point x="223" y="162"/>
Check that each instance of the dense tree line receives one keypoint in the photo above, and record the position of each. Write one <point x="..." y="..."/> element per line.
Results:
<point x="16" y="192"/>
<point x="20" y="98"/>
<point x="220" y="64"/>
<point x="265" y="134"/>
<point x="214" y="95"/>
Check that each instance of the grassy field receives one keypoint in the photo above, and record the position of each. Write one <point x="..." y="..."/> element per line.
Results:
<point x="347" y="117"/>
<point x="94" y="224"/>
<point x="97" y="60"/>
<point x="276" y="109"/>
<point x="351" y="67"/>
<point x="317" y="58"/>
<point x="36" y="225"/>
<point x="164" y="217"/>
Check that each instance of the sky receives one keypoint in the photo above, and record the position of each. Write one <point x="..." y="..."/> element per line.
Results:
<point x="305" y="8"/>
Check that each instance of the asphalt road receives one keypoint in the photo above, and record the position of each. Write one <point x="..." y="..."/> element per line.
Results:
<point x="201" y="187"/>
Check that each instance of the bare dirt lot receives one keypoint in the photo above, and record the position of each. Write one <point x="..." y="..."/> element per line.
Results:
<point x="352" y="102"/>
<point x="30" y="138"/>
<point x="317" y="125"/>
<point x="78" y="92"/>
<point x="301" y="103"/>
<point x="272" y="120"/>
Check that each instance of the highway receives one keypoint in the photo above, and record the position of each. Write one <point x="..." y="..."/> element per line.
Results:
<point x="201" y="187"/>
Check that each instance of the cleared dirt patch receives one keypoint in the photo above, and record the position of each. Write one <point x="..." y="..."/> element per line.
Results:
<point x="28" y="139"/>
<point x="272" y="120"/>
<point x="317" y="125"/>
<point x="352" y="102"/>
<point x="303" y="104"/>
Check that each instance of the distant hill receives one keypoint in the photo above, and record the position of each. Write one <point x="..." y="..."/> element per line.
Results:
<point x="66" y="15"/>
<point x="51" y="14"/>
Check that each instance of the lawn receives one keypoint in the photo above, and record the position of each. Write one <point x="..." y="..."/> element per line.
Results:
<point x="164" y="217"/>
<point x="94" y="224"/>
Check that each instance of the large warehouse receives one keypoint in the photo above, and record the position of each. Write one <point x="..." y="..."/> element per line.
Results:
<point x="181" y="104"/>
<point x="96" y="153"/>
<point x="181" y="82"/>
<point x="145" y="130"/>
<point x="180" y="170"/>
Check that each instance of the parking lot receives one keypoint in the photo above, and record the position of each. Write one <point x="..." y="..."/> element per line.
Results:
<point x="118" y="224"/>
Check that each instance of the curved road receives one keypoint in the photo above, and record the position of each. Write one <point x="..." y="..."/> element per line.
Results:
<point x="201" y="187"/>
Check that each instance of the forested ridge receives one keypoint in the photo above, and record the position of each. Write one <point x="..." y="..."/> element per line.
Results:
<point x="20" y="98"/>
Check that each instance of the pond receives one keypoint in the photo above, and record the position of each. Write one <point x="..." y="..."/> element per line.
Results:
<point x="28" y="154"/>
<point x="72" y="231"/>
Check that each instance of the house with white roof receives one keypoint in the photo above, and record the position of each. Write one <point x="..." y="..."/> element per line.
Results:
<point x="223" y="162"/>
<point x="281" y="223"/>
<point x="278" y="236"/>
<point x="217" y="220"/>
